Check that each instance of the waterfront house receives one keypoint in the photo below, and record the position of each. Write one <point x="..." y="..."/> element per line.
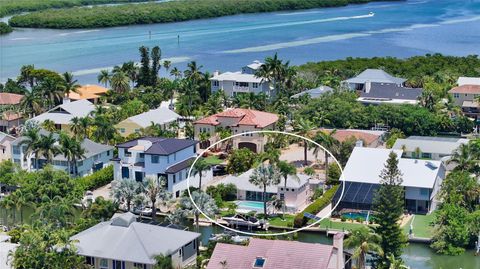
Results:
<point x="161" y="116"/>
<point x="428" y="147"/>
<point x="361" y="176"/>
<point x="360" y="82"/>
<point x="124" y="243"/>
<point x="239" y="121"/>
<point x="314" y="93"/>
<point x="245" y="81"/>
<point x="465" y="96"/>
<point x="96" y="157"/>
<point x="91" y="93"/>
<point x="170" y="158"/>
<point x="295" y="194"/>
<point x="62" y="114"/>
<point x="280" y="254"/>
<point x="5" y="146"/>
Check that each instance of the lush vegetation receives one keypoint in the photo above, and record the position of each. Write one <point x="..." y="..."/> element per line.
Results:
<point x="316" y="206"/>
<point x="164" y="12"/>
<point x="457" y="221"/>
<point x="97" y="179"/>
<point x="5" y="28"/>
<point x="8" y="7"/>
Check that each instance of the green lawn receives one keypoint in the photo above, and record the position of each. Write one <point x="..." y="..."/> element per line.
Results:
<point x="278" y="221"/>
<point x="337" y="225"/>
<point x="421" y="226"/>
<point x="213" y="160"/>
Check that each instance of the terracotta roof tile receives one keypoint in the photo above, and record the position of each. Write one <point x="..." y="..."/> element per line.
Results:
<point x="343" y="135"/>
<point x="471" y="89"/>
<point x="9" y="116"/>
<point x="10" y="98"/>
<point x="257" y="118"/>
<point x="88" y="92"/>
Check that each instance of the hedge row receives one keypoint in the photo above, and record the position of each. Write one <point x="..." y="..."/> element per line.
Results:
<point x="315" y="207"/>
<point x="96" y="180"/>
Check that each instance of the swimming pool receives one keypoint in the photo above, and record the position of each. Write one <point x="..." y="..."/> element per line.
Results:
<point x="250" y="205"/>
<point x="355" y="215"/>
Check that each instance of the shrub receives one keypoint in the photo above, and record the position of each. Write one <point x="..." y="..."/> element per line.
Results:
<point x="315" y="207"/>
<point x="333" y="174"/>
<point x="5" y="28"/>
<point x="97" y="179"/>
<point x="343" y="219"/>
<point x="317" y="194"/>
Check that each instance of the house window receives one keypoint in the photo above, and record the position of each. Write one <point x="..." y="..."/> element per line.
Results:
<point x="118" y="265"/>
<point x="177" y="194"/>
<point x="168" y="159"/>
<point x="122" y="130"/>
<point x="155" y="158"/>
<point x="142" y="155"/>
<point x="174" y="176"/>
<point x="175" y="156"/>
<point x="125" y="172"/>
<point x="16" y="150"/>
<point x="215" y="83"/>
<point x="426" y="155"/>
<point x="424" y="192"/>
<point x="138" y="176"/>
<point x="126" y="153"/>
<point x="241" y="84"/>
<point x="103" y="264"/>
<point x="259" y="262"/>
<point x="90" y="260"/>
<point x="456" y="95"/>
<point x="108" y="153"/>
<point x="255" y="85"/>
<point x="139" y="265"/>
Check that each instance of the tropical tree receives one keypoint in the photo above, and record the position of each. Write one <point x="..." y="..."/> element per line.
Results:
<point x="363" y="242"/>
<point x="155" y="190"/>
<point x="69" y="83"/>
<point x="72" y="150"/>
<point x="286" y="169"/>
<point x="31" y="141"/>
<point x="272" y="70"/>
<point x="200" y="166"/>
<point x="202" y="201"/>
<point x="47" y="147"/>
<point x="396" y="263"/>
<point x="177" y="74"/>
<point x="48" y="125"/>
<point x="328" y="141"/>
<point x="104" y="77"/>
<point x="120" y="82"/>
<point x="124" y="190"/>
<point x="193" y="72"/>
<point x="79" y="126"/>
<point x="167" y="64"/>
<point x="303" y="128"/>
<point x="263" y="176"/>
<point x="465" y="157"/>
<point x="163" y="262"/>
<point x="52" y="90"/>
<point x="427" y="100"/>
<point x="31" y="103"/>
<point x="204" y="139"/>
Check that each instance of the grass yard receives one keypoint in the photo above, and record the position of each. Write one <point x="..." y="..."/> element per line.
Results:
<point x="347" y="225"/>
<point x="278" y="221"/>
<point x="421" y="226"/>
<point x="213" y="160"/>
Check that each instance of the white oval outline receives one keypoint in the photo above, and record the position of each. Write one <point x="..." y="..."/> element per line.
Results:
<point x="264" y="234"/>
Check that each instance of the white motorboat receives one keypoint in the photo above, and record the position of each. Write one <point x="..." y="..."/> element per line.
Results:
<point x="371" y="14"/>
<point x="242" y="220"/>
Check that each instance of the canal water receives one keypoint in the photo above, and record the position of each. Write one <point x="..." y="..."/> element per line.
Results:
<point x="400" y="29"/>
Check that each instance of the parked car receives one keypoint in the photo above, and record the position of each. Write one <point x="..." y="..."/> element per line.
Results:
<point x="219" y="170"/>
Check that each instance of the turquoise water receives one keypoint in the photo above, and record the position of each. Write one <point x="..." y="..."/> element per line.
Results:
<point x="250" y="205"/>
<point x="355" y="215"/>
<point x="400" y="29"/>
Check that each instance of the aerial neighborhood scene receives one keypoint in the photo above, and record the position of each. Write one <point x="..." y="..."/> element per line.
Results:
<point x="246" y="134"/>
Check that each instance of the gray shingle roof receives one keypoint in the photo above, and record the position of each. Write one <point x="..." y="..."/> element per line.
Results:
<point x="375" y="75"/>
<point x="314" y="93"/>
<point x="391" y="91"/>
<point x="161" y="145"/>
<point x="127" y="240"/>
<point x="158" y="116"/>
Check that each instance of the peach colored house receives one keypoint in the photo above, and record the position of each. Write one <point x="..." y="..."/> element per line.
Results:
<point x="239" y="121"/>
<point x="91" y="93"/>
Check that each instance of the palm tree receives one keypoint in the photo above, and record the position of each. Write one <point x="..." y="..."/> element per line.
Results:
<point x="104" y="77"/>
<point x="131" y="71"/>
<point x="465" y="158"/>
<point x="72" y="150"/>
<point x="286" y="169"/>
<point x="31" y="103"/>
<point x="155" y="189"/>
<point x="203" y="201"/>
<point x="200" y="166"/>
<point x="193" y="72"/>
<point x="48" y="125"/>
<point x="120" y="82"/>
<point x="47" y="147"/>
<point x="167" y="64"/>
<point x="52" y="90"/>
<point x="396" y="263"/>
<point x="271" y="70"/>
<point x="263" y="176"/>
<point x="31" y="141"/>
<point x="363" y="241"/>
<point x="21" y="199"/>
<point x="303" y="127"/>
<point x="124" y="190"/>
<point x="176" y="73"/>
<point x="427" y="100"/>
<point x="204" y="137"/>
<point x="26" y="75"/>
<point x="327" y="140"/>
<point x="69" y="84"/>
<point x="79" y="126"/>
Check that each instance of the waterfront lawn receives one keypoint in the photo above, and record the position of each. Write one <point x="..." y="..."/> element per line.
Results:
<point x="421" y="226"/>
<point x="213" y="160"/>
<point x="279" y="222"/>
<point x="337" y="225"/>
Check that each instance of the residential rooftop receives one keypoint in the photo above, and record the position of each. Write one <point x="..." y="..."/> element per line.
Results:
<point x="391" y="91"/>
<point x="368" y="136"/>
<point x="123" y="238"/>
<point x="250" y="117"/>
<point x="10" y="98"/>
<point x="160" y="115"/>
<point x="366" y="164"/>
<point x="63" y="113"/>
<point x="237" y="76"/>
<point x="466" y="88"/>
<point x="158" y="145"/>
<point x="314" y="93"/>
<point x="375" y="75"/>
<point x="272" y="254"/>
<point x="88" y="92"/>
<point x="430" y="144"/>
<point x="468" y="81"/>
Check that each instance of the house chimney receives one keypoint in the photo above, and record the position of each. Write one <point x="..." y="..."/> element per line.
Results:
<point x="368" y="86"/>
<point x="359" y="143"/>
<point x="338" y="247"/>
<point x="66" y="100"/>
<point x="216" y="73"/>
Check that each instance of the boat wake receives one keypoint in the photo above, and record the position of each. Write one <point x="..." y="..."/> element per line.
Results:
<point x="79" y="32"/>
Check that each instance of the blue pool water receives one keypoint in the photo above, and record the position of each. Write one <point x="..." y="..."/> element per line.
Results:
<point x="399" y="29"/>
<point x="250" y="205"/>
<point x="356" y="215"/>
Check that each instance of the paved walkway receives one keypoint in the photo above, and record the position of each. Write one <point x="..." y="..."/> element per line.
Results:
<point x="103" y="191"/>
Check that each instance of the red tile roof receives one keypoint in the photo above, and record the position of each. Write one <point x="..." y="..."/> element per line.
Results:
<point x="278" y="254"/>
<point x="471" y="89"/>
<point x="10" y="98"/>
<point x="257" y="118"/>
<point x="9" y="116"/>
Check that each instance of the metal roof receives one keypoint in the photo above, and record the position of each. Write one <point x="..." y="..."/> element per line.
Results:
<point x="238" y="77"/>
<point x="180" y="166"/>
<point x="63" y="114"/>
<point x="160" y="115"/>
<point x="429" y="144"/>
<point x="391" y="91"/>
<point x="375" y="75"/>
<point x="314" y="93"/>
<point x="366" y="164"/>
<point x="122" y="238"/>
<point x="160" y="145"/>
